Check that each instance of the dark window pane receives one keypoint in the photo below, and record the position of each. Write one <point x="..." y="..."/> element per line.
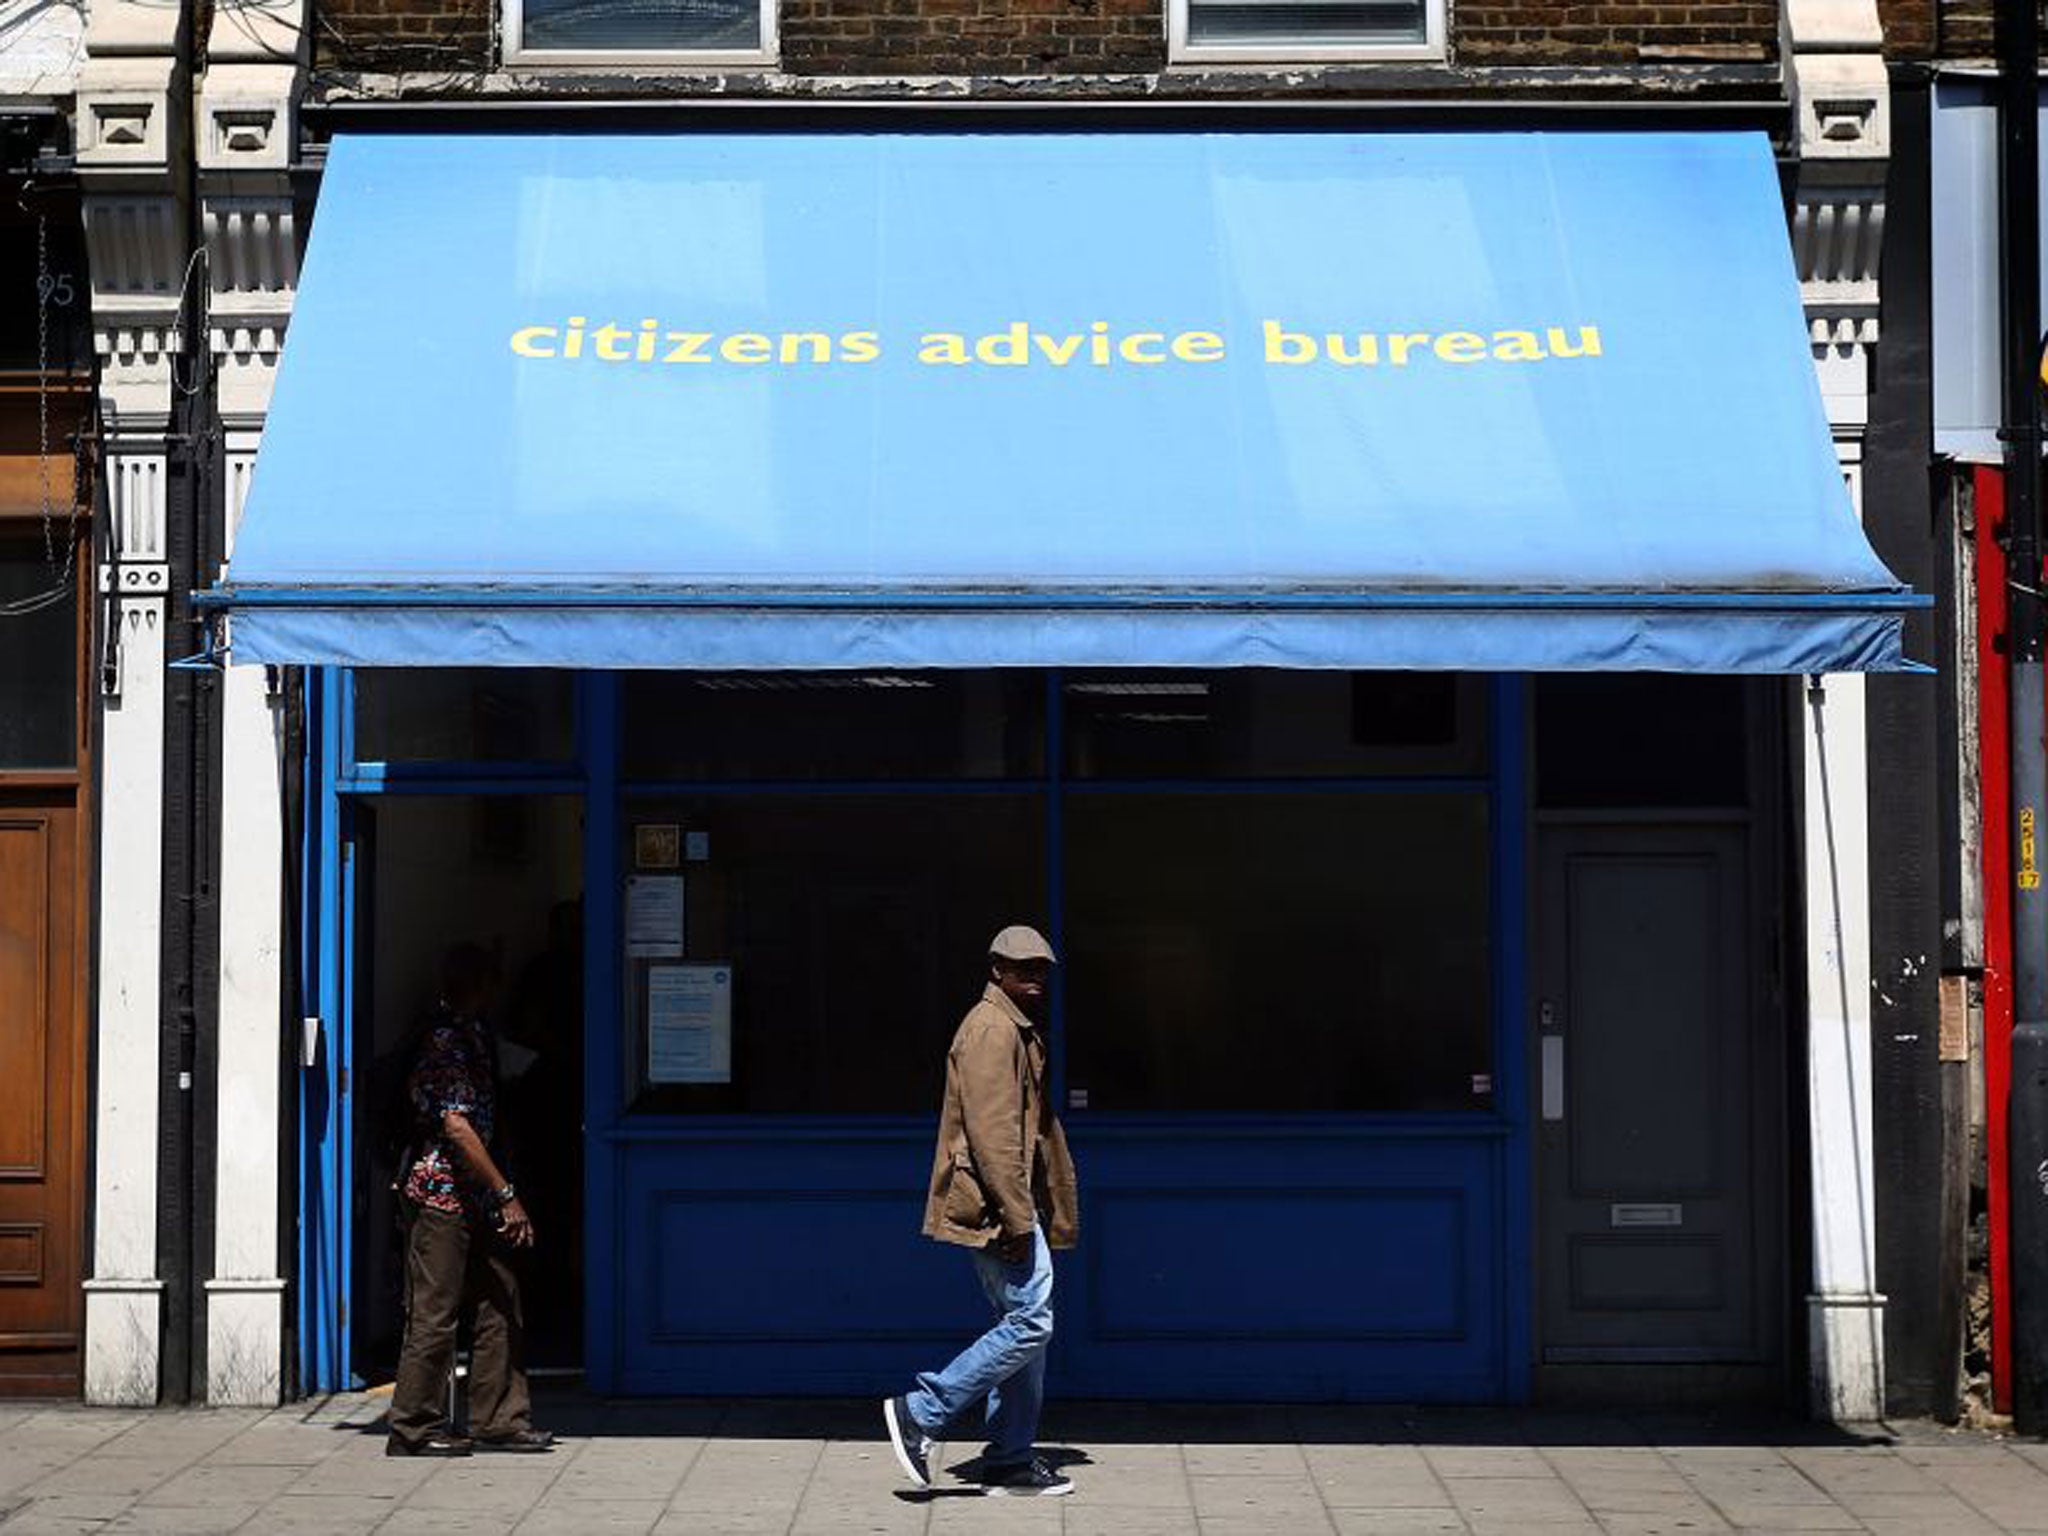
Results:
<point x="428" y="714"/>
<point x="1278" y="952"/>
<point x="834" y="725"/>
<point x="38" y="660"/>
<point x="1265" y="724"/>
<point x="1641" y="739"/>
<point x="45" y="300"/>
<point x="1253" y="23"/>
<point x="856" y="928"/>
<point x="642" y="25"/>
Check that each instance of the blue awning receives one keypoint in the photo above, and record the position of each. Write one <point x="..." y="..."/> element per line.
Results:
<point x="1494" y="401"/>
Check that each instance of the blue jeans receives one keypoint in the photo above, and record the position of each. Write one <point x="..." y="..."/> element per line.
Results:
<point x="1004" y="1368"/>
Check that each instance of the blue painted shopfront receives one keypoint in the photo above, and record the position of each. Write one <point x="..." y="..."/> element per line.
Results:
<point x="1320" y="1256"/>
<point x="1068" y="416"/>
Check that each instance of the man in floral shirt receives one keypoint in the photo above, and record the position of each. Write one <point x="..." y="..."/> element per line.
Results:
<point x="465" y="1221"/>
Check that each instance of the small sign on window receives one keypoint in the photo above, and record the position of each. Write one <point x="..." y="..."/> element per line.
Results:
<point x="657" y="845"/>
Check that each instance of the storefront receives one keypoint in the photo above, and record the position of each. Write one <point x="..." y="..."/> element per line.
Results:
<point x="738" y="573"/>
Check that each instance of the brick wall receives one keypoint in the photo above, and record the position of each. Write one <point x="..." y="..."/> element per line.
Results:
<point x="395" y="35"/>
<point x="1909" y="30"/>
<point x="1545" y="32"/>
<point x="971" y="37"/>
<point x="1963" y="29"/>
<point x="1054" y="37"/>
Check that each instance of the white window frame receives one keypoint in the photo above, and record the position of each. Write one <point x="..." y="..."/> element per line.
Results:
<point x="1180" y="51"/>
<point x="512" y="17"/>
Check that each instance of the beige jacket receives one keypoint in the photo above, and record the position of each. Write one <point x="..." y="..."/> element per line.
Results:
<point x="1002" y="1162"/>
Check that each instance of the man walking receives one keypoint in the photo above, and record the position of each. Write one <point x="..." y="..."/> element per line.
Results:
<point x="465" y="1220"/>
<point x="1002" y="1185"/>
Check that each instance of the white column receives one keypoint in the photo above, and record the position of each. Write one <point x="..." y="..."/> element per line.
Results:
<point x="1845" y="1312"/>
<point x="130" y="131"/>
<point x="247" y="113"/>
<point x="245" y="1297"/>
<point x="1841" y="96"/>
<point x="123" y="1299"/>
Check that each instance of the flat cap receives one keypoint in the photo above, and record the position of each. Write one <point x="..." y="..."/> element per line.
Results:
<point x="1018" y="942"/>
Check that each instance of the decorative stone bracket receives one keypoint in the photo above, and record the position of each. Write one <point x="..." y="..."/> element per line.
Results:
<point x="1841" y="97"/>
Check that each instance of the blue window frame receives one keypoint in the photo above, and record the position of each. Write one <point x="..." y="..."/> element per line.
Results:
<point x="628" y="1151"/>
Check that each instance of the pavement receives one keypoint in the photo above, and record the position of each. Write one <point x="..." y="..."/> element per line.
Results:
<point x="792" y="1469"/>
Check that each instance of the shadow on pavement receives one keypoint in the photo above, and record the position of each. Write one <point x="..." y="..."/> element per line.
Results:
<point x="572" y="1413"/>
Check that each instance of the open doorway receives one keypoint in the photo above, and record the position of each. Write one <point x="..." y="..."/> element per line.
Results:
<point x="504" y="871"/>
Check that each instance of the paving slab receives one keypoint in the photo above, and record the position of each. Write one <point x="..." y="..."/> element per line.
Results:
<point x="1700" y="1522"/>
<point x="1088" y="1517"/>
<point x="598" y="1517"/>
<point x="1525" y="1501"/>
<point x="1399" y="1522"/>
<point x="184" y="1520"/>
<point x="809" y="1469"/>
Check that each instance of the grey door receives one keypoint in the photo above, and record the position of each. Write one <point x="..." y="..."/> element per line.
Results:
<point x="1654" y="1115"/>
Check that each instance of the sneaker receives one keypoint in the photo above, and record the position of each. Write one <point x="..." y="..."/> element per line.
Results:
<point x="1025" y="1480"/>
<point x="439" y="1443"/>
<point x="911" y="1444"/>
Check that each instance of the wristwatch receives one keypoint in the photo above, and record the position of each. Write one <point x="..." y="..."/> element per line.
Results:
<point x="504" y="1196"/>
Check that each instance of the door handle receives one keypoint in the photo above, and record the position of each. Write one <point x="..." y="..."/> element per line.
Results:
<point x="1553" y="1076"/>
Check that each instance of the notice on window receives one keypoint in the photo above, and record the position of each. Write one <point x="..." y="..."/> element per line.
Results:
<point x="689" y="1023"/>
<point x="654" y="917"/>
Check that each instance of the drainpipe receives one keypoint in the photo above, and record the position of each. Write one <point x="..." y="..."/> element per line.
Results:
<point x="2019" y="167"/>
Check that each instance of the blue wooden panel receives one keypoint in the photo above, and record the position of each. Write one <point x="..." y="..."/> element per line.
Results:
<point x="1360" y="1262"/>
<point x="1290" y="1268"/>
<point x="806" y="1266"/>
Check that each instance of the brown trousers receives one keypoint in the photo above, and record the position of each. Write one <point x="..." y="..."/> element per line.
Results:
<point x="449" y="1258"/>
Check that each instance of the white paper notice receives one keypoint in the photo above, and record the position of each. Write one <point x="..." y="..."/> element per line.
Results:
<point x="654" y="916"/>
<point x="689" y="1023"/>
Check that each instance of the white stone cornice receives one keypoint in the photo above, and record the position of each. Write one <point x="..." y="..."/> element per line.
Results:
<point x="252" y="256"/>
<point x="252" y="246"/>
<point x="137" y="246"/>
<point x="130" y="89"/>
<point x="1835" y="72"/>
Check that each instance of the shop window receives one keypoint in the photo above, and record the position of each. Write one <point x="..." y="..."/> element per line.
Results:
<point x="1269" y="724"/>
<point x="38" y="660"/>
<point x="813" y="954"/>
<point x="486" y="715"/>
<point x="647" y="31"/>
<point x="1626" y="740"/>
<point x="1298" y="31"/>
<point x="848" y="726"/>
<point x="1277" y="952"/>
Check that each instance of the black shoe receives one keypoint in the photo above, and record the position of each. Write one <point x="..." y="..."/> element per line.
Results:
<point x="521" y="1441"/>
<point x="1024" y="1480"/>
<point x="439" y="1443"/>
<point x="911" y="1444"/>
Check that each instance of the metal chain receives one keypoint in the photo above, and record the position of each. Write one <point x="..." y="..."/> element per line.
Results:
<point x="43" y="377"/>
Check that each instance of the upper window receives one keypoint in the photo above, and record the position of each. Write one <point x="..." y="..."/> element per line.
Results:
<point x="1296" y="31"/>
<point x="451" y="715"/>
<point x="639" y="31"/>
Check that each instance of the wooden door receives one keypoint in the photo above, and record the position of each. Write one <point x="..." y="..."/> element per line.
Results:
<point x="42" y="1161"/>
